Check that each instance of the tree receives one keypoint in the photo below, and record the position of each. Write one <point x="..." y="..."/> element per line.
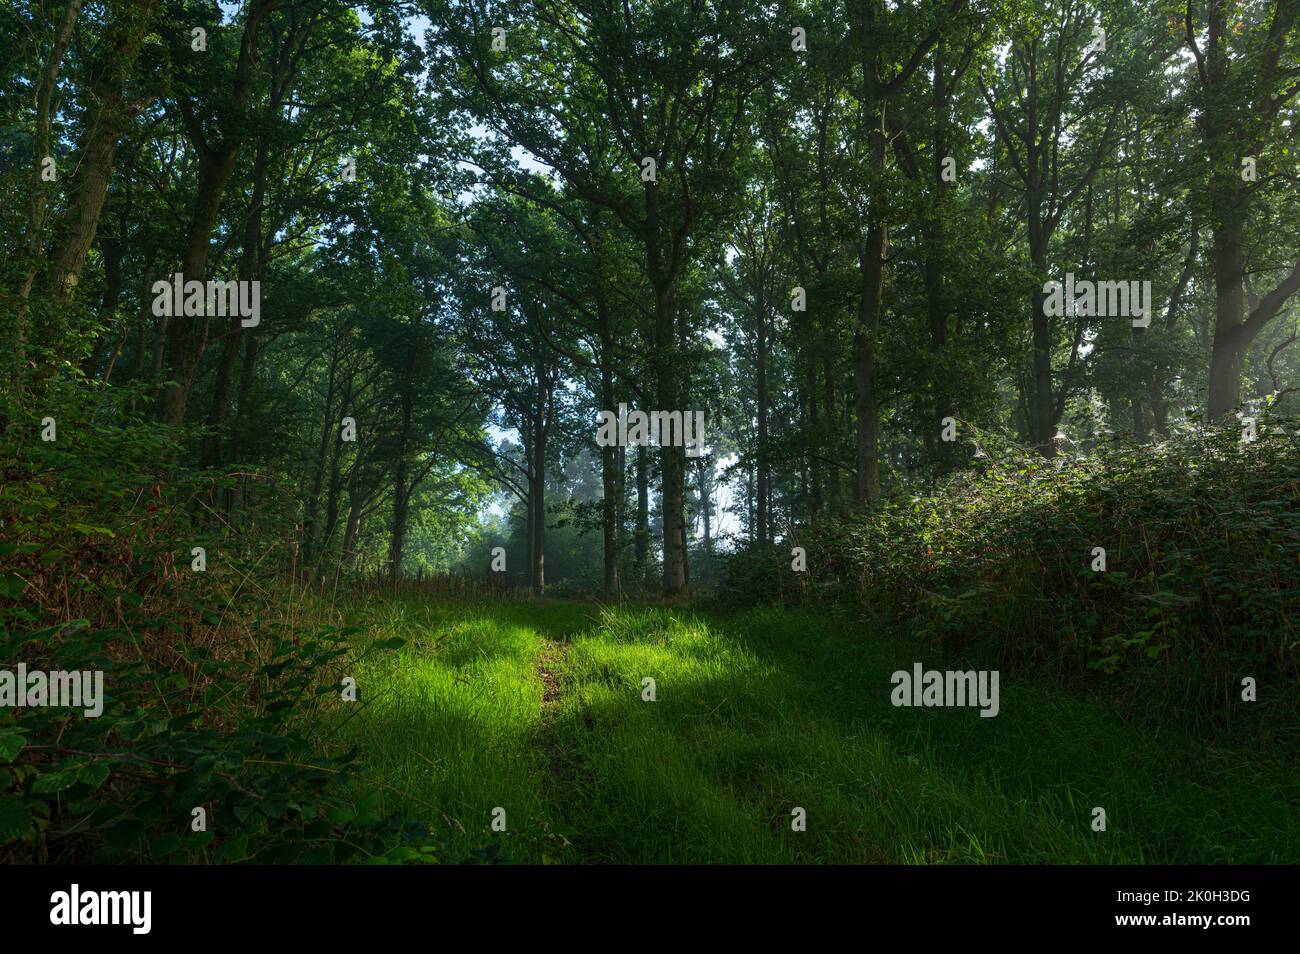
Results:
<point x="1245" y="77"/>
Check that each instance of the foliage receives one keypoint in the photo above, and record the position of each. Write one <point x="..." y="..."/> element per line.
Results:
<point x="1199" y="589"/>
<point x="206" y="703"/>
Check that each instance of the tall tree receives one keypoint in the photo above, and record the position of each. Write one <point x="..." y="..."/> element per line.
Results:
<point x="1245" y="75"/>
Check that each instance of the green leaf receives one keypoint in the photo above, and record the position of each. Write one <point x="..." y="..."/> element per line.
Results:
<point x="163" y="846"/>
<point x="11" y="743"/>
<point x="54" y="782"/>
<point x="15" y="819"/>
<point x="94" y="775"/>
<point x="342" y="815"/>
<point x="234" y="850"/>
<point x="90" y="531"/>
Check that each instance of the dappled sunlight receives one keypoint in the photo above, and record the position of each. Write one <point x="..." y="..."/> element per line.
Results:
<point x="758" y="714"/>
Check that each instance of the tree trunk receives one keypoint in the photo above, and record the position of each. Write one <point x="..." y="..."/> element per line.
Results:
<point x="1229" y="135"/>
<point x="188" y="336"/>
<point x="1228" y="352"/>
<point x="45" y="89"/>
<point x="530" y="526"/>
<point x="538" y="573"/>
<point x="943" y="396"/>
<point x="351" y="531"/>
<point x="871" y="264"/>
<point x="401" y="472"/>
<point x="250" y="268"/>
<point x="310" y="516"/>
<point x="401" y="512"/>
<point x="243" y="409"/>
<point x="864" y="367"/>
<point x="672" y="460"/>
<point x="642" y="536"/>
<point x="764" y="471"/>
<point x="335" y="487"/>
<point x="106" y="120"/>
<point x="834" y="501"/>
<point x="113" y="249"/>
<point x="705" y="467"/>
<point x="608" y="461"/>
<point x="1042" y="420"/>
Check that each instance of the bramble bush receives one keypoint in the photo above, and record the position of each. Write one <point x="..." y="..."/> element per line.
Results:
<point x="1201" y="587"/>
<point x="208" y="703"/>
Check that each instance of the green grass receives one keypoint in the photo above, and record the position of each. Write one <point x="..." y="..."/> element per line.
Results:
<point x="761" y="712"/>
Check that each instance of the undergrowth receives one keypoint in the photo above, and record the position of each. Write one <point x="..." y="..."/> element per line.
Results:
<point x="208" y="747"/>
<point x="1200" y="590"/>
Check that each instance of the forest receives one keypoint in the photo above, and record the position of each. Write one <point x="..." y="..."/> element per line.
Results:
<point x="649" y="431"/>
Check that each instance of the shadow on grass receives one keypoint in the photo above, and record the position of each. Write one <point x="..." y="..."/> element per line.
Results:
<point x="760" y="713"/>
<point x="774" y="710"/>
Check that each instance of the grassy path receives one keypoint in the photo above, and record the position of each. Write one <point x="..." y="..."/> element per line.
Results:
<point x="538" y="709"/>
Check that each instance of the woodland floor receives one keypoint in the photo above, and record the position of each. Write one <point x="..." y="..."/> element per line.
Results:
<point x="537" y="708"/>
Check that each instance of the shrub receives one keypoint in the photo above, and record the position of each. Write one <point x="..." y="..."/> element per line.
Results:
<point x="1201" y="587"/>
<point x="205" y="707"/>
